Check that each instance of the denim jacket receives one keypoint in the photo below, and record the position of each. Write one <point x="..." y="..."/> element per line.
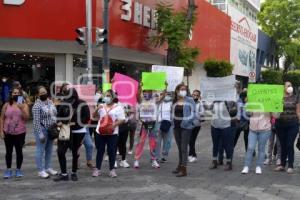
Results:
<point x="189" y="113"/>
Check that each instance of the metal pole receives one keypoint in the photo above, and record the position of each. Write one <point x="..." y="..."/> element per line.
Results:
<point x="89" y="40"/>
<point x="105" y="62"/>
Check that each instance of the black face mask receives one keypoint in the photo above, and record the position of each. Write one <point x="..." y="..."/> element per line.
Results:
<point x="196" y="100"/>
<point x="43" y="97"/>
<point x="15" y="98"/>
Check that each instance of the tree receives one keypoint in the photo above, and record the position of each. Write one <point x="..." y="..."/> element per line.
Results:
<point x="173" y="29"/>
<point x="280" y="19"/>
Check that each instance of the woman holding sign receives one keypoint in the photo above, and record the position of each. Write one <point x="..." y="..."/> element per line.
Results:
<point x="184" y="115"/>
<point x="287" y="127"/>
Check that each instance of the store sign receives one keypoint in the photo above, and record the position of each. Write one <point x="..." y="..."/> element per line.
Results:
<point x="14" y="2"/>
<point x="140" y="14"/>
<point x="244" y="33"/>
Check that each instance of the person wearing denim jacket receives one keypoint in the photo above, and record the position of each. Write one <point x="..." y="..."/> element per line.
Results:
<point x="44" y="115"/>
<point x="184" y="115"/>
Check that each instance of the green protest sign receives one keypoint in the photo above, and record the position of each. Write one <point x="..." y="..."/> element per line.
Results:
<point x="265" y="98"/>
<point x="154" y="80"/>
<point x="106" y="86"/>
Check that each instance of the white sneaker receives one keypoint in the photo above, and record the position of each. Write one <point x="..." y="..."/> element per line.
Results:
<point x="245" y="170"/>
<point x="290" y="171"/>
<point x="193" y="159"/>
<point x="189" y="158"/>
<point x="267" y="161"/>
<point x="258" y="170"/>
<point x="43" y="174"/>
<point x="113" y="173"/>
<point x="116" y="165"/>
<point x="51" y="172"/>
<point x="96" y="173"/>
<point x="124" y="164"/>
<point x="130" y="152"/>
<point x="278" y="162"/>
<point x="136" y="164"/>
<point x="155" y="164"/>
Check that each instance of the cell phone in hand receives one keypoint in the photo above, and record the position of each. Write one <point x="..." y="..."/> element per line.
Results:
<point x="20" y="100"/>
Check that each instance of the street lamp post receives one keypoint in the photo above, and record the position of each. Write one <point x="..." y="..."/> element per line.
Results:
<point x="105" y="58"/>
<point x="89" y="41"/>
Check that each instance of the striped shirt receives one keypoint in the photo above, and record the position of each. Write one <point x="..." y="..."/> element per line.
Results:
<point x="44" y="114"/>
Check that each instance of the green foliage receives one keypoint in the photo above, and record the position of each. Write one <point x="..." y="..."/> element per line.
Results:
<point x="293" y="77"/>
<point x="293" y="53"/>
<point x="173" y="29"/>
<point x="272" y="77"/>
<point x="280" y="19"/>
<point x="216" y="68"/>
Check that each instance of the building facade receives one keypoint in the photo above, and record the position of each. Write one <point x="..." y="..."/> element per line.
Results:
<point x="37" y="41"/>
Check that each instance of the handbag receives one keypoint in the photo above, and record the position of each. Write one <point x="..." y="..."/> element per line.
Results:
<point x="52" y="131"/>
<point x="65" y="132"/>
<point x="149" y="125"/>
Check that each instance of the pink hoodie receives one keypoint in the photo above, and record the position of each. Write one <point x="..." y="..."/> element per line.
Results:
<point x="260" y="122"/>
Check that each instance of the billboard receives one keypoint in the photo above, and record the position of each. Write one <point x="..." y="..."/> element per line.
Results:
<point x="244" y="35"/>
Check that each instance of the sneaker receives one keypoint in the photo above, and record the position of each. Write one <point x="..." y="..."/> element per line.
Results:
<point x="7" y="174"/>
<point x="96" y="173"/>
<point x="193" y="159"/>
<point x="113" y="173"/>
<point x="61" y="177"/>
<point x="43" y="174"/>
<point x="189" y="158"/>
<point x="130" y="152"/>
<point x="290" y="171"/>
<point x="245" y="170"/>
<point x="116" y="165"/>
<point x="51" y="172"/>
<point x="118" y="153"/>
<point x="267" y="162"/>
<point x="163" y="160"/>
<point x="124" y="164"/>
<point x="278" y="162"/>
<point x="74" y="177"/>
<point x="155" y="164"/>
<point x="136" y="164"/>
<point x="279" y="169"/>
<point x="258" y="170"/>
<point x="19" y="173"/>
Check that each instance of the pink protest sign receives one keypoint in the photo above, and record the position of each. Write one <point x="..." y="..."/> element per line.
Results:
<point x="126" y="87"/>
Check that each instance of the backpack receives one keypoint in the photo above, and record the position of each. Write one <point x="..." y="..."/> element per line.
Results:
<point x="105" y="124"/>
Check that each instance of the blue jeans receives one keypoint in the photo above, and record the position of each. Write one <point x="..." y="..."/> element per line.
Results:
<point x="226" y="138"/>
<point x="166" y="138"/>
<point x="287" y="133"/>
<point x="88" y="144"/>
<point x="257" y="137"/>
<point x="43" y="151"/>
<point x="101" y="141"/>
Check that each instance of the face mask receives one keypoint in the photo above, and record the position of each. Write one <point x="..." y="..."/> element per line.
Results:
<point x="43" y="97"/>
<point x="196" y="100"/>
<point x="66" y="92"/>
<point x="4" y="80"/>
<point x="168" y="98"/>
<point x="147" y="96"/>
<point x="15" y="98"/>
<point x="290" y="90"/>
<point x="107" y="100"/>
<point x="182" y="93"/>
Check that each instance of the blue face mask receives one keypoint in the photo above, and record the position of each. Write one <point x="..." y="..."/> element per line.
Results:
<point x="107" y="100"/>
<point x="147" y="96"/>
<point x="167" y="98"/>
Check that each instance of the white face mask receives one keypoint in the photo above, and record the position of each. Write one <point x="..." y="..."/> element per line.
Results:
<point x="290" y="90"/>
<point x="4" y="80"/>
<point x="107" y="100"/>
<point x="182" y="93"/>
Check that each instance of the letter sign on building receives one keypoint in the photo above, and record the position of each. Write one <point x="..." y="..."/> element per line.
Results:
<point x="14" y="2"/>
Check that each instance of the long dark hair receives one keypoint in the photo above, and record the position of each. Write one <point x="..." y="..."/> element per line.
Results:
<point x="11" y="100"/>
<point x="177" y="90"/>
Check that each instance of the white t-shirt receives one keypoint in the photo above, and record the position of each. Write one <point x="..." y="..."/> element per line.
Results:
<point x="164" y="111"/>
<point x="116" y="113"/>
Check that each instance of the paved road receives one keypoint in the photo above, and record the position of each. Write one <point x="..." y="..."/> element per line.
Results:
<point x="147" y="183"/>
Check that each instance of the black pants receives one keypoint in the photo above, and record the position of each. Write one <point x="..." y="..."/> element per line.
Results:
<point x="122" y="140"/>
<point x="239" y="130"/>
<point x="193" y="139"/>
<point x="101" y="142"/>
<point x="132" y="129"/>
<point x="18" y="142"/>
<point x="74" y="144"/>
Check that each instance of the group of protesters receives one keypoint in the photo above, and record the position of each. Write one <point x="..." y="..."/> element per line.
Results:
<point x="159" y="116"/>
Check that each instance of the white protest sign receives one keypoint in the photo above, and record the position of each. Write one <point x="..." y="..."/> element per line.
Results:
<point x="218" y="89"/>
<point x="174" y="75"/>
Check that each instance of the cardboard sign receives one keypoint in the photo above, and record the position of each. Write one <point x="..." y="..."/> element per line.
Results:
<point x="265" y="98"/>
<point x="126" y="87"/>
<point x="218" y="89"/>
<point x="154" y="80"/>
<point x="174" y="75"/>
